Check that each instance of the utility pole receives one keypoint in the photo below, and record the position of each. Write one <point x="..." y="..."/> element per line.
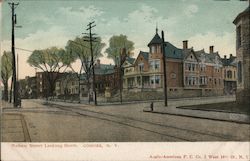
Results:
<point x="13" y="7"/>
<point x="17" y="66"/>
<point x="121" y="72"/>
<point x="164" y="70"/>
<point x="91" y="40"/>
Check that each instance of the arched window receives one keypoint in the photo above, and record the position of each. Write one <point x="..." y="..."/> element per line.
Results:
<point x="229" y="74"/>
<point x="240" y="72"/>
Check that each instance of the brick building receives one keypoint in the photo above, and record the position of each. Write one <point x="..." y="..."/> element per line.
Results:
<point x="242" y="23"/>
<point x="44" y="82"/>
<point x="106" y="78"/>
<point x="230" y="74"/>
<point x="189" y="73"/>
<point x="28" y="88"/>
<point x="67" y="86"/>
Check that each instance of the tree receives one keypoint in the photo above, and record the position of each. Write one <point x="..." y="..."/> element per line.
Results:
<point x="116" y="44"/>
<point x="51" y="61"/>
<point x="80" y="50"/>
<point x="6" y="71"/>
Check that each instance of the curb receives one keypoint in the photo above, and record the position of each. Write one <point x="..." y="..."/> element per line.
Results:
<point x="199" y="117"/>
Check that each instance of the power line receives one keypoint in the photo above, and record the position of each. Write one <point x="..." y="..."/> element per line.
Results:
<point x="24" y="49"/>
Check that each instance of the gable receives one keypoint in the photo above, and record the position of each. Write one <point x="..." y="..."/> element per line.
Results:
<point x="140" y="59"/>
<point x="191" y="57"/>
<point x="126" y="64"/>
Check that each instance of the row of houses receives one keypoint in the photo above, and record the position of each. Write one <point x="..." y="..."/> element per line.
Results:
<point x="190" y="73"/>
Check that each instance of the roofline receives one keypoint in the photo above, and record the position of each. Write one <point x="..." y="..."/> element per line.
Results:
<point x="240" y="15"/>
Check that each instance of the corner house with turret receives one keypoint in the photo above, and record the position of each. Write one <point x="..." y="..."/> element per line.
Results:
<point x="190" y="73"/>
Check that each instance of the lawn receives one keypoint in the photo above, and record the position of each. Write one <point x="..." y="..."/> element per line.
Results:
<point x="231" y="107"/>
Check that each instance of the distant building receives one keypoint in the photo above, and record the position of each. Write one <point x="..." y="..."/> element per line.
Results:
<point x="44" y="82"/>
<point x="189" y="73"/>
<point x="67" y="86"/>
<point x="28" y="88"/>
<point x="230" y="74"/>
<point x="106" y="78"/>
<point x="242" y="23"/>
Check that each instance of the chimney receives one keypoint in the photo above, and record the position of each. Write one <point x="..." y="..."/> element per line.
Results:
<point x="211" y="49"/>
<point x="185" y="44"/>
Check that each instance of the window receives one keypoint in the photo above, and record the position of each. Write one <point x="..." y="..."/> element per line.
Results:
<point x="157" y="79"/>
<point x="189" y="67"/>
<point x="215" y="81"/>
<point x="151" y="64"/>
<point x="193" y="67"/>
<point x="238" y="37"/>
<point x="229" y="74"/>
<point x="173" y="75"/>
<point x="152" y="80"/>
<point x="139" y="80"/>
<point x="191" y="81"/>
<point x="141" y="67"/>
<point x="240" y="72"/>
<point x="153" y="49"/>
<point x="157" y="64"/>
<point x="203" y="67"/>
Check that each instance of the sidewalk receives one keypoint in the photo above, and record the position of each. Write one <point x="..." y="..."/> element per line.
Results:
<point x="212" y="115"/>
<point x="13" y="126"/>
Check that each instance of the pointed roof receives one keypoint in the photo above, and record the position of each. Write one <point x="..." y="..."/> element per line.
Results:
<point x="130" y="60"/>
<point x="172" y="52"/>
<point x="231" y="61"/>
<point x="144" y="54"/>
<point x="156" y="39"/>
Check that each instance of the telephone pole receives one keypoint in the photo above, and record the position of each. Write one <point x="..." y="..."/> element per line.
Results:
<point x="164" y="70"/>
<point x="91" y="39"/>
<point x="13" y="7"/>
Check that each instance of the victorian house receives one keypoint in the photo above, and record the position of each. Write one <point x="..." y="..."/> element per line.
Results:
<point x="189" y="73"/>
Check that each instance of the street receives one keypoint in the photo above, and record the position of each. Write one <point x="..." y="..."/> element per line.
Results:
<point x="115" y="123"/>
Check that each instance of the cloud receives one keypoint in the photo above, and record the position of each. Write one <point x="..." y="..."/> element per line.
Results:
<point x="222" y="43"/>
<point x="139" y="26"/>
<point x="83" y="13"/>
<point x="55" y="36"/>
<point x="190" y="10"/>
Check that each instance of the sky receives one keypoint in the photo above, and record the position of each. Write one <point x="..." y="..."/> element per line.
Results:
<point x="47" y="23"/>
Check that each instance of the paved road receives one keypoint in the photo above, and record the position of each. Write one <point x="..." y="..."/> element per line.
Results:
<point x="82" y="123"/>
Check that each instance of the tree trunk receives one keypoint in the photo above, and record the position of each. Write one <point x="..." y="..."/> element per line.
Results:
<point x="11" y="86"/>
<point x="5" y="91"/>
